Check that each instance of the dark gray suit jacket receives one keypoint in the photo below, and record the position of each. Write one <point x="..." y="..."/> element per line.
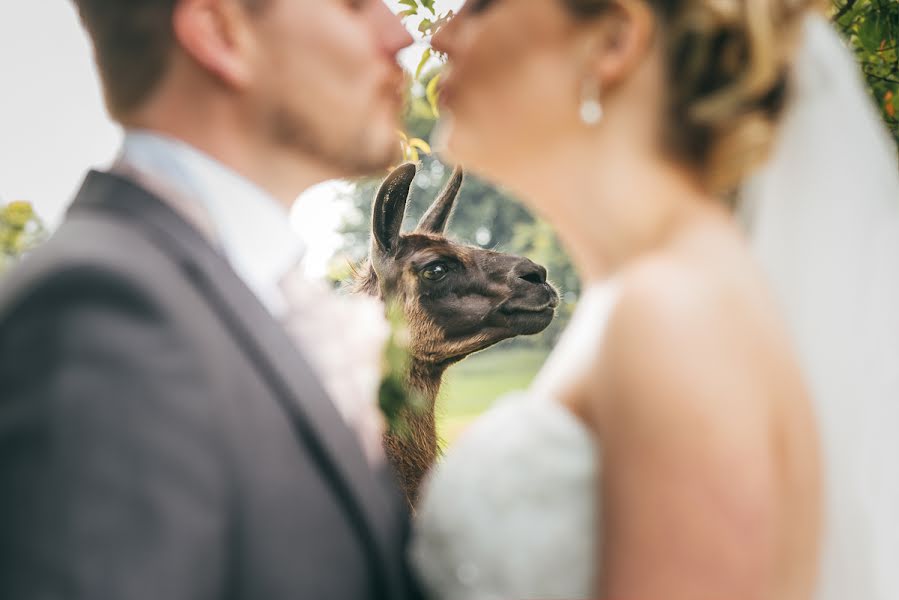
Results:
<point x="162" y="438"/>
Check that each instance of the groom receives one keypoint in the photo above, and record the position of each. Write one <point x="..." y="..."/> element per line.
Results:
<point x="161" y="435"/>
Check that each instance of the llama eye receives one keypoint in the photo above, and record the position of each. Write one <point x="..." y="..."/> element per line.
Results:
<point x="435" y="272"/>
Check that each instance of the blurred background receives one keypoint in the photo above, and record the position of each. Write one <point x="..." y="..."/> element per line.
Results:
<point x="52" y="120"/>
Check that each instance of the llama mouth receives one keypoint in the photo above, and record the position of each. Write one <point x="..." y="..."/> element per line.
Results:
<point x="513" y="308"/>
<point x="547" y="308"/>
<point x="533" y="318"/>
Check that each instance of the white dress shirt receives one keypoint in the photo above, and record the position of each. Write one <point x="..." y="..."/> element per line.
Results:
<point x="251" y="228"/>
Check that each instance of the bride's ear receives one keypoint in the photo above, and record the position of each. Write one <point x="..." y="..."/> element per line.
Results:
<point x="619" y="41"/>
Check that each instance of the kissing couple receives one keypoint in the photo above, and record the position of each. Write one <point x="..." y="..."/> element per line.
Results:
<point x="715" y="423"/>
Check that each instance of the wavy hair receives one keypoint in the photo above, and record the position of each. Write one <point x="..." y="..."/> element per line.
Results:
<point x="728" y="74"/>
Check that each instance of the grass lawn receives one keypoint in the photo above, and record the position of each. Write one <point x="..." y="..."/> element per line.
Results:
<point x="470" y="387"/>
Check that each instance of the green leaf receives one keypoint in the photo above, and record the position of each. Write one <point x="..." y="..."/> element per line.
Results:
<point x="420" y="144"/>
<point x="872" y="32"/>
<point x="432" y="94"/>
<point x="425" y="57"/>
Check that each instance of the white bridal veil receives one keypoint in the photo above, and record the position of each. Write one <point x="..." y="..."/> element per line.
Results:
<point x="823" y="216"/>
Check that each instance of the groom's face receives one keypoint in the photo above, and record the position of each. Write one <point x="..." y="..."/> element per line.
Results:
<point x="326" y="82"/>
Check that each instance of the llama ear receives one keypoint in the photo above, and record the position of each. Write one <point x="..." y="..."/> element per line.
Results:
<point x="390" y="207"/>
<point x="438" y="216"/>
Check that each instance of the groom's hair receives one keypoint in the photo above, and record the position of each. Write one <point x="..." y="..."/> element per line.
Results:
<point x="133" y="41"/>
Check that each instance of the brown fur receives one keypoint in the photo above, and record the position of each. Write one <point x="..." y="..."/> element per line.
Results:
<point x="412" y="452"/>
<point x="484" y="298"/>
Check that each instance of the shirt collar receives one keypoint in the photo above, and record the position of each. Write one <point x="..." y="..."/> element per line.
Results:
<point x="252" y="227"/>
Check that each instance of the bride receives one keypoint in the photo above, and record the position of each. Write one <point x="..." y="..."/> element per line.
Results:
<point x="682" y="441"/>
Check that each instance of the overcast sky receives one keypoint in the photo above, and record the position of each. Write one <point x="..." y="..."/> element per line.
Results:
<point x="53" y="126"/>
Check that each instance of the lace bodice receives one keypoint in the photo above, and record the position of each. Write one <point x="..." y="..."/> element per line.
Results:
<point x="511" y="510"/>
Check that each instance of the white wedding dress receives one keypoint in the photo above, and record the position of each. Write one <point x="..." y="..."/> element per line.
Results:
<point x="511" y="510"/>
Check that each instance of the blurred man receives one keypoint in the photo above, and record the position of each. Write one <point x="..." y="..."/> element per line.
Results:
<point x="161" y="436"/>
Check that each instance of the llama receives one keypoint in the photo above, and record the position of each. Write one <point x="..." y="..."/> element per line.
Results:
<point x="457" y="300"/>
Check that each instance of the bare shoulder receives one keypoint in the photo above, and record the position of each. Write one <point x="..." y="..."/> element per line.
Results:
<point x="671" y="309"/>
<point x="689" y="347"/>
<point x="670" y="289"/>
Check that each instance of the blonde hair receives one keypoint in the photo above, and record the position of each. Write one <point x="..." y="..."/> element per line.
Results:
<point x="728" y="67"/>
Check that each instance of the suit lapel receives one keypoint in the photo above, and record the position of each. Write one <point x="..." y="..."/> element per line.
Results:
<point x="315" y="419"/>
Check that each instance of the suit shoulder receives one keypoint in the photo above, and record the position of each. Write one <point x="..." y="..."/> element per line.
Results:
<point x="90" y="258"/>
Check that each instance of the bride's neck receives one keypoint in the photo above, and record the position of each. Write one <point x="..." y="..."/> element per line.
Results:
<point x="609" y="211"/>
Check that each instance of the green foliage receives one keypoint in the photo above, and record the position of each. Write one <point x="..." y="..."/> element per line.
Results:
<point x="431" y="19"/>
<point x="430" y="22"/>
<point x="872" y="30"/>
<point x="395" y="397"/>
<point x="20" y="231"/>
<point x="415" y="7"/>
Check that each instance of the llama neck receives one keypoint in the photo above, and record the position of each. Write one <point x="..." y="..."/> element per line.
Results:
<point x="413" y="452"/>
<point x="426" y="378"/>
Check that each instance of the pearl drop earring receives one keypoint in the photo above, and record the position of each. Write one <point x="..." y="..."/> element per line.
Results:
<point x="591" y="109"/>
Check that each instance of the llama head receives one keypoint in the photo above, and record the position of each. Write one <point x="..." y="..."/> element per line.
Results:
<point x="457" y="299"/>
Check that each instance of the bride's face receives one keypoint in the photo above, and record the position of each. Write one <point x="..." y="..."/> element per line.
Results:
<point x="511" y="88"/>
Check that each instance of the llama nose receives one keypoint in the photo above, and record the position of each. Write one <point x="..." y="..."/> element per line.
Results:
<point x="531" y="272"/>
